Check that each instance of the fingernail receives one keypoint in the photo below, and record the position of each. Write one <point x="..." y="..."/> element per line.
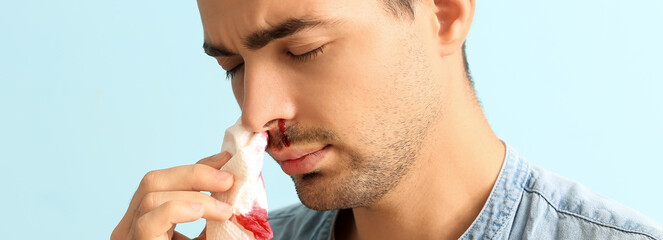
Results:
<point x="225" y="154"/>
<point x="222" y="175"/>
<point x="196" y="206"/>
<point x="222" y="206"/>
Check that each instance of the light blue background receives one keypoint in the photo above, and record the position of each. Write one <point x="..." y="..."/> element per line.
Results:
<point x="94" y="94"/>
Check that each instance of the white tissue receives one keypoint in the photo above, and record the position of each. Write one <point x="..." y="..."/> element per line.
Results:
<point x="247" y="196"/>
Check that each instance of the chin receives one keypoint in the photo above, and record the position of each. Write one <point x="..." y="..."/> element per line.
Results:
<point x="316" y="192"/>
<point x="321" y="192"/>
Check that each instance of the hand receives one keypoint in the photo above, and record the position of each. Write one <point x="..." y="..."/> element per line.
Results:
<point x="170" y="196"/>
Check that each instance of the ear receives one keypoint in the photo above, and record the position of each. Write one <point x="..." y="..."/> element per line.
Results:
<point x="454" y="18"/>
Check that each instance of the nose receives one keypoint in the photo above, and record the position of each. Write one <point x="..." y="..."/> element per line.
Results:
<point x="267" y="97"/>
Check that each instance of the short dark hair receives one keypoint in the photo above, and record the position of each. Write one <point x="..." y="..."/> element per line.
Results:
<point x="403" y="8"/>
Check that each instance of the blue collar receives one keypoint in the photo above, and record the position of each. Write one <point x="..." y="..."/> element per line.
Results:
<point x="500" y="208"/>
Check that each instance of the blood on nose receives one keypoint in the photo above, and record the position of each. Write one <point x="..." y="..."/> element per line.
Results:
<point x="284" y="137"/>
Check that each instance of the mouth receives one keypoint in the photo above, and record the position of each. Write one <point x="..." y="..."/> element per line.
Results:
<point x="299" y="161"/>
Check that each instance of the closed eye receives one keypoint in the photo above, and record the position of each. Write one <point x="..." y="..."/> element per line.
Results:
<point x="299" y="58"/>
<point x="308" y="55"/>
<point x="231" y="73"/>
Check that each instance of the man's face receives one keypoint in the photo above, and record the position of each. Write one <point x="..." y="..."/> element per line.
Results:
<point x="352" y="83"/>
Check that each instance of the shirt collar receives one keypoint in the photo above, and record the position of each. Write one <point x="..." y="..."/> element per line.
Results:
<point x="501" y="206"/>
<point x="502" y="203"/>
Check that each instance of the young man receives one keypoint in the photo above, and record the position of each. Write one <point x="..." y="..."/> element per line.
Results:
<point x="383" y="124"/>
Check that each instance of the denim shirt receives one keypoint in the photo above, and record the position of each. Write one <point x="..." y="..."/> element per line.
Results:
<point x="526" y="202"/>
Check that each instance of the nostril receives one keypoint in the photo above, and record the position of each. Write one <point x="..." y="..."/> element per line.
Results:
<point x="268" y="124"/>
<point x="284" y="136"/>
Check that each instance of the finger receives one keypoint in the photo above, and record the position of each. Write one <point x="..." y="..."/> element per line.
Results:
<point x="196" y="177"/>
<point x="217" y="160"/>
<point x="213" y="209"/>
<point x="155" y="224"/>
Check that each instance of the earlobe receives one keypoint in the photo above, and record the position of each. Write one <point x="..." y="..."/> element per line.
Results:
<point x="454" y="18"/>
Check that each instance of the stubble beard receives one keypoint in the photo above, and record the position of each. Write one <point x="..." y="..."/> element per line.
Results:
<point x="363" y="181"/>
<point x="387" y="151"/>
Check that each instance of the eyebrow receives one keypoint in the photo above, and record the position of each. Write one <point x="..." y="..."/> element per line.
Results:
<point x="261" y="38"/>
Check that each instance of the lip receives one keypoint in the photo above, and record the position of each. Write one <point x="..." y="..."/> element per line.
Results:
<point x="299" y="161"/>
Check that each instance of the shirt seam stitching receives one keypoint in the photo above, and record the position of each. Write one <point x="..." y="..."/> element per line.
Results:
<point x="511" y="215"/>
<point x="594" y="221"/>
<point x="522" y="179"/>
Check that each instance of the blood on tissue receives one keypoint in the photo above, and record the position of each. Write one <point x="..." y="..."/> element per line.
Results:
<point x="256" y="222"/>
<point x="284" y="137"/>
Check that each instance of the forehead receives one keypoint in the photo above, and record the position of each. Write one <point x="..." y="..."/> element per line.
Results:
<point x="226" y="21"/>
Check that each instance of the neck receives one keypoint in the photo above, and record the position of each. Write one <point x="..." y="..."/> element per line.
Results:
<point x="447" y="187"/>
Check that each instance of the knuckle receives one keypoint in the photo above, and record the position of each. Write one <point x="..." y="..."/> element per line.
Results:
<point x="149" y="179"/>
<point x="142" y="226"/>
<point x="149" y="202"/>
<point x="170" y="207"/>
<point x="197" y="175"/>
<point x="199" y="170"/>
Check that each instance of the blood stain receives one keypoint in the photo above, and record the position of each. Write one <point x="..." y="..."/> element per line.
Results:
<point x="256" y="222"/>
<point x="284" y="137"/>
